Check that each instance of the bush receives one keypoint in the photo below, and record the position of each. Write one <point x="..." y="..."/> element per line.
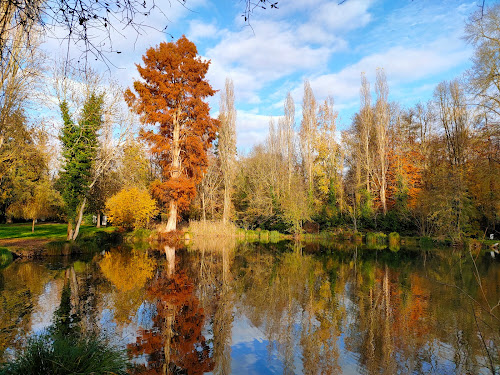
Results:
<point x="357" y="237"/>
<point x="131" y="208"/>
<point x="6" y="257"/>
<point x="394" y="241"/>
<point x="426" y="242"/>
<point x="381" y="238"/>
<point x="370" y="238"/>
<point x="274" y="236"/>
<point x="394" y="238"/>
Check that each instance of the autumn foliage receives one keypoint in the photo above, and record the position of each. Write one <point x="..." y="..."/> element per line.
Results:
<point x="131" y="208"/>
<point x="171" y="97"/>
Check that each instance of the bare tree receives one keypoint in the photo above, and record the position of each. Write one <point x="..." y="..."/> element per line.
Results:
<point x="381" y="126"/>
<point x="366" y="127"/>
<point x="307" y="135"/>
<point x="286" y="130"/>
<point x="483" y="32"/>
<point x="227" y="144"/>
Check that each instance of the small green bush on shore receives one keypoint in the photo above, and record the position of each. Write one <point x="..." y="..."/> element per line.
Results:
<point x="6" y="257"/>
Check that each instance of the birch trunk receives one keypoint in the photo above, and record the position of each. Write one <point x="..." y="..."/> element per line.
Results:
<point x="80" y="216"/>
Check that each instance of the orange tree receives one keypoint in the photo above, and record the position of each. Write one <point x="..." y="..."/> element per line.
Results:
<point x="171" y="97"/>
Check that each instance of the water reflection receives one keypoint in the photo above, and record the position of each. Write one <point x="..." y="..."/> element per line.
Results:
<point x="224" y="307"/>
<point x="175" y="343"/>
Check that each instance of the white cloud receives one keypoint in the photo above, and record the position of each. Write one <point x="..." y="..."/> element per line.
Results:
<point x="199" y="30"/>
<point x="402" y="65"/>
<point x="251" y="129"/>
<point x="347" y="16"/>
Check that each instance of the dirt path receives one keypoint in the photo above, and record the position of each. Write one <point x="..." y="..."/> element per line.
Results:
<point x="24" y="246"/>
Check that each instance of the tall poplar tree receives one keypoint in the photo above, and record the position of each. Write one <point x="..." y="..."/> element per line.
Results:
<point x="171" y="96"/>
<point x="227" y="144"/>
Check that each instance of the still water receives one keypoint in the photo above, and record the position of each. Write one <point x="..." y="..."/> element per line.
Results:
<point x="270" y="308"/>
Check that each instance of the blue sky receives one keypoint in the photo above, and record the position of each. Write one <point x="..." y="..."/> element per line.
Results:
<point x="418" y="43"/>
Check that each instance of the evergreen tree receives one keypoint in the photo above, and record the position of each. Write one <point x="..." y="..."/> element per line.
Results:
<point x="80" y="144"/>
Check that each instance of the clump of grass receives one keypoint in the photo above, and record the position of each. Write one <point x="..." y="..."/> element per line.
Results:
<point x="212" y="229"/>
<point x="58" y="355"/>
<point x="6" y="257"/>
<point x="63" y="349"/>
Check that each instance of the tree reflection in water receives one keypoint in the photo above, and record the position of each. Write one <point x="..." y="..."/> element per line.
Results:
<point x="317" y="309"/>
<point x="175" y="343"/>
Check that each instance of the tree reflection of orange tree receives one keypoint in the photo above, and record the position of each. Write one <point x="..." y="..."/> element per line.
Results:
<point x="175" y="344"/>
<point x="287" y="297"/>
<point x="128" y="272"/>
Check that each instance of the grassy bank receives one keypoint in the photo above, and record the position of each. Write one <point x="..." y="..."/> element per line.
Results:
<point x="50" y="239"/>
<point x="50" y="231"/>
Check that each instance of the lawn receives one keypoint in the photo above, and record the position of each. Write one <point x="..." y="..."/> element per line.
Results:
<point x="43" y="231"/>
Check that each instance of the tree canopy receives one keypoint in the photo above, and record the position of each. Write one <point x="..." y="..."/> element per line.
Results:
<point x="171" y="97"/>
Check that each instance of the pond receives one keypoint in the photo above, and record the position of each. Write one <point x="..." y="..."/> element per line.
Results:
<point x="252" y="308"/>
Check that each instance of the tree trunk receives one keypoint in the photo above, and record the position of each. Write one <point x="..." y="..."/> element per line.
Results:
<point x="227" y="203"/>
<point x="382" y="190"/>
<point x="33" y="226"/>
<point x="172" y="217"/>
<point x="98" y="220"/>
<point x="70" y="231"/>
<point x="204" y="211"/>
<point x="175" y="172"/>
<point x="80" y="216"/>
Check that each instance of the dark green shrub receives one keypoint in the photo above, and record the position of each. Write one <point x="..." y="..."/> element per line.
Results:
<point x="426" y="243"/>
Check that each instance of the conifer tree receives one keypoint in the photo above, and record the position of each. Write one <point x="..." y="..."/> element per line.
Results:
<point x="79" y="143"/>
<point x="171" y="96"/>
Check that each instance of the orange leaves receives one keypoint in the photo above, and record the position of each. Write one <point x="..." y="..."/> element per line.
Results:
<point x="171" y="96"/>
<point x="404" y="176"/>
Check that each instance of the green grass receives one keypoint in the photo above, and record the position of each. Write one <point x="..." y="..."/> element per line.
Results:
<point x="68" y="355"/>
<point x="44" y="231"/>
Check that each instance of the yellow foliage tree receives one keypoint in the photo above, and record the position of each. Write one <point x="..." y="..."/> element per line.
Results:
<point x="131" y="208"/>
